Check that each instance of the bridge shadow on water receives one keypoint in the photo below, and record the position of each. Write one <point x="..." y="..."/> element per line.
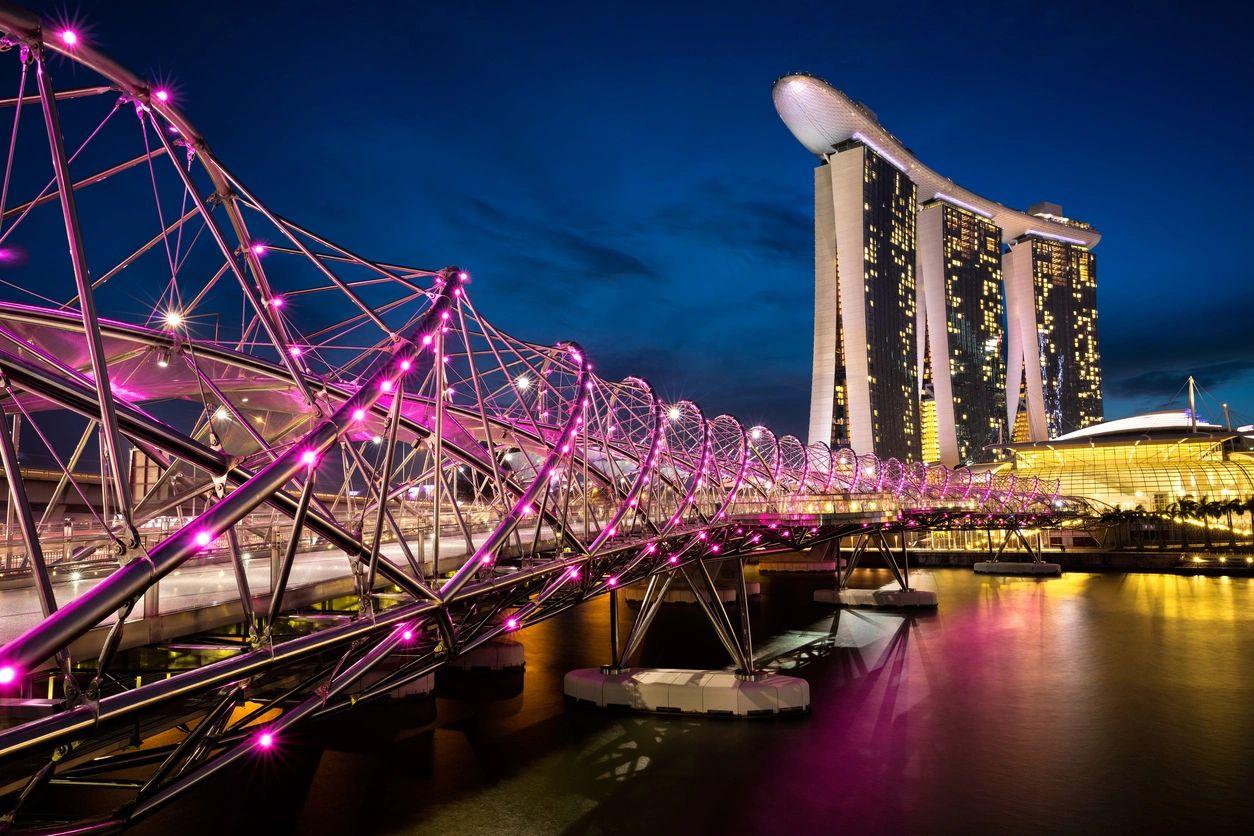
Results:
<point x="528" y="762"/>
<point x="1006" y="711"/>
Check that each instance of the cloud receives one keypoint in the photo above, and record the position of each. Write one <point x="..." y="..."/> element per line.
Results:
<point x="1150" y="353"/>
<point x="572" y="255"/>
<point x="1168" y="381"/>
<point x="768" y="229"/>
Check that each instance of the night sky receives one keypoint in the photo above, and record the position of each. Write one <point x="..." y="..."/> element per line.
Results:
<point x="615" y="173"/>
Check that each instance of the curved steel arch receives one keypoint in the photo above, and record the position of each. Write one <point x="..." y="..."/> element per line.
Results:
<point x="489" y="481"/>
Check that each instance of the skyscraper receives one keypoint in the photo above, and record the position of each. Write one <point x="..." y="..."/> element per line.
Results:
<point x="959" y="266"/>
<point x="1051" y="296"/>
<point x="865" y="388"/>
<point x="892" y="292"/>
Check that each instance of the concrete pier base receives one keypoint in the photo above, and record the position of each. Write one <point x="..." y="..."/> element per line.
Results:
<point x="921" y="595"/>
<point x="1006" y="567"/>
<point x="716" y="693"/>
<point x="798" y="564"/>
<point x="680" y="594"/>
<point x="498" y="655"/>
<point x="420" y="687"/>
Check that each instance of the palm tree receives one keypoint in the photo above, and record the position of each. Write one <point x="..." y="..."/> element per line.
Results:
<point x="1115" y="518"/>
<point x="1206" y="511"/>
<point x="1249" y="509"/>
<point x="1232" y="506"/>
<point x="1186" y="508"/>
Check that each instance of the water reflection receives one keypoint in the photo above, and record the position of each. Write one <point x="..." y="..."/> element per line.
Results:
<point x="1088" y="702"/>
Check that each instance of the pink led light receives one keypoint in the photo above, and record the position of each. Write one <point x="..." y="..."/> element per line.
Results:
<point x="265" y="740"/>
<point x="296" y="351"/>
<point x="359" y="414"/>
<point x="309" y="458"/>
<point x="277" y="301"/>
<point x="203" y="539"/>
<point x="405" y="365"/>
<point x="385" y="385"/>
<point x="8" y="674"/>
<point x="511" y="623"/>
<point x="407" y="636"/>
<point x="613" y="581"/>
<point x="574" y="573"/>
<point x="674" y="559"/>
<point x="714" y="548"/>
<point x="444" y="314"/>
<point x="69" y="37"/>
<point x="163" y="95"/>
<point x="486" y="559"/>
<point x="258" y="249"/>
<point x="463" y="276"/>
<point x="426" y="339"/>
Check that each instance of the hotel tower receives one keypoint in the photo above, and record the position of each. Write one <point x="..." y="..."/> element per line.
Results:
<point x="927" y="293"/>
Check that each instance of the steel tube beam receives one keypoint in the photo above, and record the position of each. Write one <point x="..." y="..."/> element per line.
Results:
<point x="82" y="278"/>
<point x="40" y="642"/>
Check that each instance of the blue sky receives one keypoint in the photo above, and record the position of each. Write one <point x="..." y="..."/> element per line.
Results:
<point x="615" y="173"/>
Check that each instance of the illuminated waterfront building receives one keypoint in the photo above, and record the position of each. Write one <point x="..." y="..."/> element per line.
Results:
<point x="983" y="343"/>
<point x="1148" y="460"/>
<point x="959" y="267"/>
<point x="1051" y="297"/>
<point x="865" y="373"/>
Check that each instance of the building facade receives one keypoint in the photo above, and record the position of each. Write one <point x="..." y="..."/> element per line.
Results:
<point x="1051" y="293"/>
<point x="960" y="271"/>
<point x="911" y="271"/>
<point x="865" y="388"/>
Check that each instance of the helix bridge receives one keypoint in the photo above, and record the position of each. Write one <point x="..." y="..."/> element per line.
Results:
<point x="228" y="397"/>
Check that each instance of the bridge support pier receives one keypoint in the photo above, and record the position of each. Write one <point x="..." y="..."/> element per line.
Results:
<point x="743" y="692"/>
<point x="896" y="595"/>
<point x="1036" y="567"/>
<point x="823" y="557"/>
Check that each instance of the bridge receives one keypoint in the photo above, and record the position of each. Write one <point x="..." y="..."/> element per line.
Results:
<point x="279" y="421"/>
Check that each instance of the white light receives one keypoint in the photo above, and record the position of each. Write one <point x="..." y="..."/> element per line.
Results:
<point x="674" y="413"/>
<point x="76" y="575"/>
<point x="221" y="413"/>
<point x="173" y="319"/>
<point x="755" y="434"/>
<point x="378" y="439"/>
<point x="523" y="382"/>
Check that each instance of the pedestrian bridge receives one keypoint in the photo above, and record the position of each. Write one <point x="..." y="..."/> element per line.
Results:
<point x="284" y="420"/>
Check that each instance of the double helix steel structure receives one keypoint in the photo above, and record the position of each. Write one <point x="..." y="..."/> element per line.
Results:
<point x="202" y="385"/>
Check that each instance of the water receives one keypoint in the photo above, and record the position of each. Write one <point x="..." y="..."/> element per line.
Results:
<point x="1111" y="702"/>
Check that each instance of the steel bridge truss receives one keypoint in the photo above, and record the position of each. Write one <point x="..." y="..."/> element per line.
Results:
<point x="257" y="388"/>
